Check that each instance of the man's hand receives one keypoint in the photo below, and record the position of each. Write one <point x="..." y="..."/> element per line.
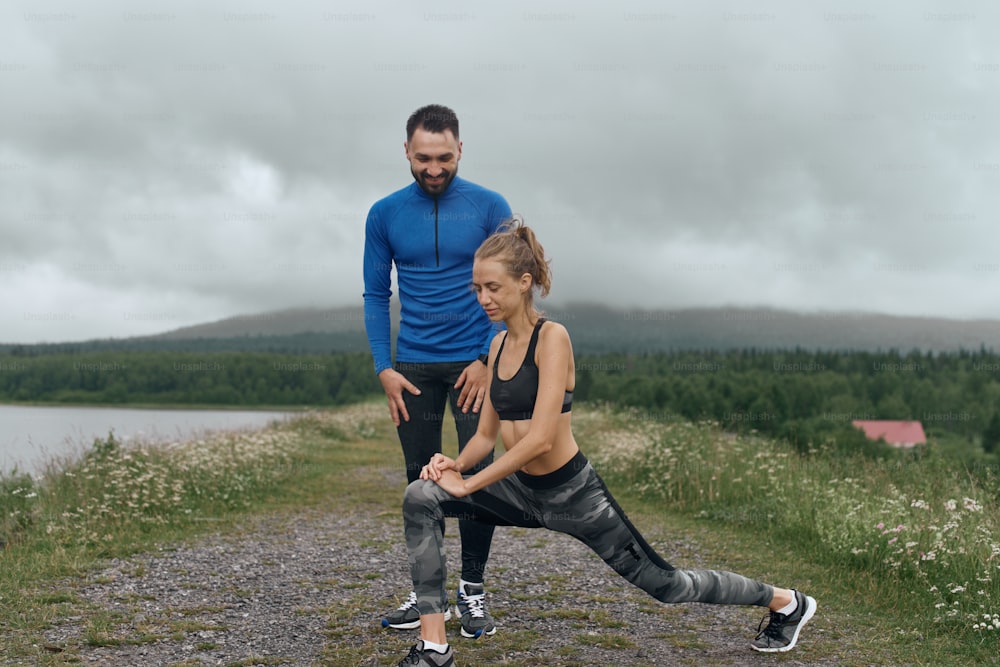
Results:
<point x="472" y="382"/>
<point x="394" y="383"/>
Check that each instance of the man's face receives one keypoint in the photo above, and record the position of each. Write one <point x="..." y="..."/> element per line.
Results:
<point x="433" y="159"/>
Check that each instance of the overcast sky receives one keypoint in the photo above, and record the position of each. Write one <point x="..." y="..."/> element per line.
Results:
<point x="164" y="164"/>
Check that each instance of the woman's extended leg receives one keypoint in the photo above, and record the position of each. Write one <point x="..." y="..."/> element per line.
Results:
<point x="585" y="509"/>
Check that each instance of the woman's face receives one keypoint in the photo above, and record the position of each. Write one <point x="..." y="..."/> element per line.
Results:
<point x="500" y="294"/>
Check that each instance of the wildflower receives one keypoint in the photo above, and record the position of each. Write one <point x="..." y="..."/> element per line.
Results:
<point x="971" y="505"/>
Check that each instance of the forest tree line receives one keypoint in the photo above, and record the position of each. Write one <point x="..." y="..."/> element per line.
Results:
<point x="799" y="395"/>
<point x="197" y="378"/>
<point x="803" y="396"/>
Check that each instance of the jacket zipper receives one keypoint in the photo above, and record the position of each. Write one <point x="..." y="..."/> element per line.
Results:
<point x="437" y="253"/>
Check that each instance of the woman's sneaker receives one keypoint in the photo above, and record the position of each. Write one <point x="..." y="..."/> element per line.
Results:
<point x="419" y="656"/>
<point x="407" y="617"/>
<point x="782" y="631"/>
<point x="476" y="621"/>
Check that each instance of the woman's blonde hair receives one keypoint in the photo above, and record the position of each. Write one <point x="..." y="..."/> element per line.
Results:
<point x="515" y="245"/>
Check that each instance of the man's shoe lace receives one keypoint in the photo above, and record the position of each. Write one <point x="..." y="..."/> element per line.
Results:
<point x="475" y="605"/>
<point x="411" y="601"/>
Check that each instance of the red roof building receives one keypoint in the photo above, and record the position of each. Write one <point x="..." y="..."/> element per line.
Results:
<point x="903" y="434"/>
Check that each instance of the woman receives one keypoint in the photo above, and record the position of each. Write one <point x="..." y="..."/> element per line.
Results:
<point x="543" y="479"/>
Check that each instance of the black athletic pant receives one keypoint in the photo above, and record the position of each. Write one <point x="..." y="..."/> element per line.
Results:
<point x="420" y="438"/>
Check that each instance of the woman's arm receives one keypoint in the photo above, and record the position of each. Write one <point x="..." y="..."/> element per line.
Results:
<point x="482" y="443"/>
<point x="484" y="439"/>
<point x="552" y="356"/>
<point x="447" y="471"/>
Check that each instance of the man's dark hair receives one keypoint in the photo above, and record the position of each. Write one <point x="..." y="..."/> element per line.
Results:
<point x="433" y="118"/>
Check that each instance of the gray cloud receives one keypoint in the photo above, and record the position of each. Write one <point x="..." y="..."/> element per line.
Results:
<point x="173" y="163"/>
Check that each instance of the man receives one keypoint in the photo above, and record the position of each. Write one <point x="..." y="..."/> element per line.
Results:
<point x="430" y="231"/>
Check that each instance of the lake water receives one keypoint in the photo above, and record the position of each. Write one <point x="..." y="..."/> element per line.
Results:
<point x="32" y="435"/>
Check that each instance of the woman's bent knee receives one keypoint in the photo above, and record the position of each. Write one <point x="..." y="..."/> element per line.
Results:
<point x="419" y="496"/>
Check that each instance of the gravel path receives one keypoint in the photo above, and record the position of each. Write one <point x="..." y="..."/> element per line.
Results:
<point x="301" y="589"/>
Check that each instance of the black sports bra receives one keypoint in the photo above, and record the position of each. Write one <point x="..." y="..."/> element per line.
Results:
<point x="514" y="399"/>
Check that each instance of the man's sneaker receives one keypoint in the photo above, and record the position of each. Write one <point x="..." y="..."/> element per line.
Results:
<point x="476" y="621"/>
<point x="428" y="657"/>
<point x="782" y="632"/>
<point x="407" y="617"/>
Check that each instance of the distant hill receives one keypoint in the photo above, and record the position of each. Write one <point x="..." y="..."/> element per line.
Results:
<point x="276" y="323"/>
<point x="595" y="330"/>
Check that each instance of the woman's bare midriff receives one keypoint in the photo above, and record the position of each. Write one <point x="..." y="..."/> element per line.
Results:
<point x="563" y="449"/>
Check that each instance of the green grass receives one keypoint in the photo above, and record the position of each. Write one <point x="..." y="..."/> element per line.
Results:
<point x="748" y="504"/>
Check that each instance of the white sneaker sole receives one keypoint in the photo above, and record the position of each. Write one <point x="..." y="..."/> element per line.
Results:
<point x="473" y="635"/>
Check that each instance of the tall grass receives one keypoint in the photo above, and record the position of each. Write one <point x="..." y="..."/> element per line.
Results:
<point x="114" y="491"/>
<point x="923" y="526"/>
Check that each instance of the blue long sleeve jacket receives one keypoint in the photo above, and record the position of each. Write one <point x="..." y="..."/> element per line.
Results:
<point x="431" y="241"/>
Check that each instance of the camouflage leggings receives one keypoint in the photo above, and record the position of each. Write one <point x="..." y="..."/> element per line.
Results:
<point x="571" y="500"/>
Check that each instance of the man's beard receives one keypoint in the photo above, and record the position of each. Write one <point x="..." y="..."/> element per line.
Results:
<point x="438" y="188"/>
